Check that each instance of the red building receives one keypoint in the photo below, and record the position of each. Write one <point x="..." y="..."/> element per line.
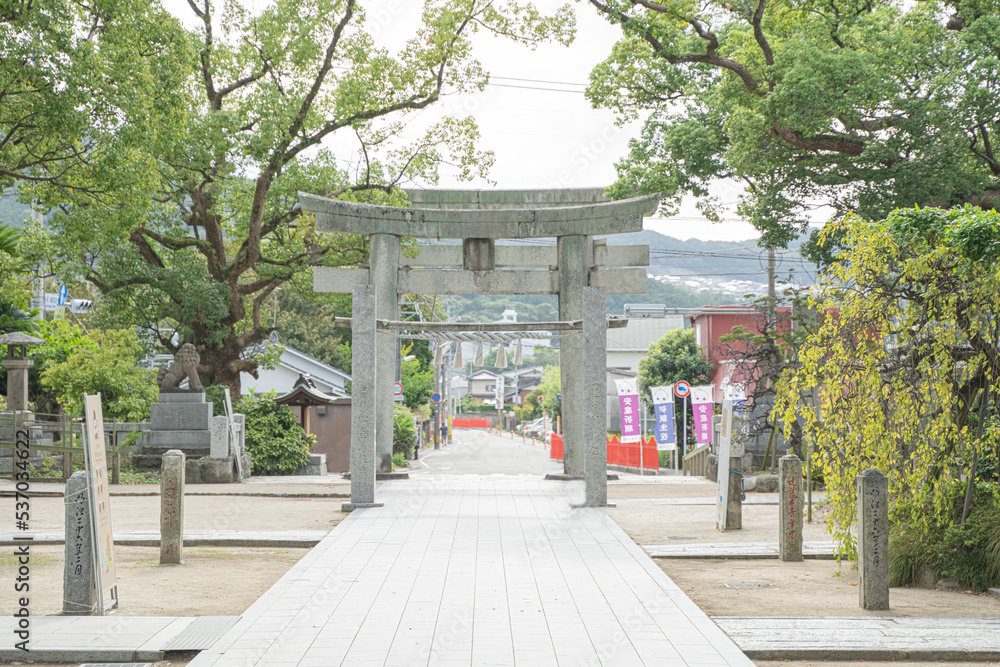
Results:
<point x="710" y="323"/>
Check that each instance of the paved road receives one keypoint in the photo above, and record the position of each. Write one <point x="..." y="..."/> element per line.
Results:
<point x="477" y="452"/>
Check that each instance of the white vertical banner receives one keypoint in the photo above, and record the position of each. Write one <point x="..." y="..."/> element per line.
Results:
<point x="628" y="403"/>
<point x="725" y="443"/>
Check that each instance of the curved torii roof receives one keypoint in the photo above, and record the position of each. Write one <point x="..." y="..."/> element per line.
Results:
<point x="519" y="221"/>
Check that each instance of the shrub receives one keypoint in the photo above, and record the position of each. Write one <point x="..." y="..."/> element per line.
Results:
<point x="403" y="433"/>
<point x="276" y="443"/>
<point x="968" y="552"/>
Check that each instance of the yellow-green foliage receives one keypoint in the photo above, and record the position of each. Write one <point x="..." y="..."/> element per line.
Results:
<point x="892" y="376"/>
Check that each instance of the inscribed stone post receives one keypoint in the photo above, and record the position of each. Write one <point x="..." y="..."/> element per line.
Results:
<point x="364" y="386"/>
<point x="384" y="261"/>
<point x="595" y="394"/>
<point x="734" y="502"/>
<point x="172" y="508"/>
<point x="79" y="586"/>
<point x="873" y="540"/>
<point x="573" y="267"/>
<point x="790" y="509"/>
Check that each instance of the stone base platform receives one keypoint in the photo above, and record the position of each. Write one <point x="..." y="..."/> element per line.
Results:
<point x="382" y="476"/>
<point x="215" y="471"/>
<point x="316" y="466"/>
<point x="563" y="477"/>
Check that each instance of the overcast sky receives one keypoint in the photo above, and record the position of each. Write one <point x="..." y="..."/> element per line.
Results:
<point x="534" y="116"/>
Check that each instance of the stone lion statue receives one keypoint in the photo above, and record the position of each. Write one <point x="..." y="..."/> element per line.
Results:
<point x="185" y="365"/>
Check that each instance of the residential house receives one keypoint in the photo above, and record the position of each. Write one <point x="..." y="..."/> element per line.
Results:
<point x="710" y="323"/>
<point x="483" y="386"/>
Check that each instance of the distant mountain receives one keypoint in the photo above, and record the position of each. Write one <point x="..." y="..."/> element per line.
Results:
<point x="716" y="262"/>
<point x="12" y="212"/>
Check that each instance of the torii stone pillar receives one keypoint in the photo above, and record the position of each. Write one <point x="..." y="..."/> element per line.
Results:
<point x="384" y="265"/>
<point x="594" y="376"/>
<point x="364" y="425"/>
<point x="572" y="252"/>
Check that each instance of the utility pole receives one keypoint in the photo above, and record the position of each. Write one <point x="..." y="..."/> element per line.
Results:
<point x="39" y="281"/>
<point x="770" y="273"/>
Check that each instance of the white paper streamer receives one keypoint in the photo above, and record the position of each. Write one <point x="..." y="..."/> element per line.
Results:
<point x="501" y="357"/>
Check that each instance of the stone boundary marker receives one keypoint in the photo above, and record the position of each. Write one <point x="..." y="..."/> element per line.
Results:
<point x="873" y="540"/>
<point x="79" y="583"/>
<point x="734" y="502"/>
<point x="864" y="638"/>
<point x="790" y="508"/>
<point x="172" y="508"/>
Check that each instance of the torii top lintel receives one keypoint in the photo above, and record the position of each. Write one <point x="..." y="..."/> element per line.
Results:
<point x="607" y="217"/>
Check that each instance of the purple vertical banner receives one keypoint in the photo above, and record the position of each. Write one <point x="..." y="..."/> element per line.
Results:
<point x="663" y="405"/>
<point x="628" y="402"/>
<point x="702" y="405"/>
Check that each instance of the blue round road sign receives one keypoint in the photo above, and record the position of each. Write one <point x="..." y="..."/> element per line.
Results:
<point x="436" y="397"/>
<point x="682" y="389"/>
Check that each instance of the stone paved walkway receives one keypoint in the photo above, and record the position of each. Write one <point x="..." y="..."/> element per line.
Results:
<point x="865" y="638"/>
<point x="474" y="570"/>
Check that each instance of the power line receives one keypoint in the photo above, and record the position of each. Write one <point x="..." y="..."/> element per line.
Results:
<point x="551" y="90"/>
<point x="558" y="83"/>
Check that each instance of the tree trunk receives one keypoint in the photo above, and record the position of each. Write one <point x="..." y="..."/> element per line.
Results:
<point x="223" y="365"/>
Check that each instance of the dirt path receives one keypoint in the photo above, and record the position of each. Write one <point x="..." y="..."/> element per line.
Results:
<point x="212" y="581"/>
<point x="809" y="588"/>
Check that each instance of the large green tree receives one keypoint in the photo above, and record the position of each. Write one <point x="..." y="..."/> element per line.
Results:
<point x="197" y="260"/>
<point x="863" y="105"/>
<point x="675" y="356"/>
<point x="83" y="85"/>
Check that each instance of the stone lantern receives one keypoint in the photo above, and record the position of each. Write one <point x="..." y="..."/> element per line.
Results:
<point x="17" y="364"/>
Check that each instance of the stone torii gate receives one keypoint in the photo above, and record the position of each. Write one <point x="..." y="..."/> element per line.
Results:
<point x="579" y="269"/>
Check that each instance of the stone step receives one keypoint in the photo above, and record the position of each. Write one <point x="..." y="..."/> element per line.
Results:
<point x="182" y="396"/>
<point x="316" y="466"/>
<point x="864" y="638"/>
<point x="180" y="416"/>
<point x="153" y="462"/>
<point x="176" y="439"/>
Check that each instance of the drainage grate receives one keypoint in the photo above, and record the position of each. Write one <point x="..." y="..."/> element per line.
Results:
<point x="746" y="585"/>
<point x="680" y="537"/>
<point x="117" y="664"/>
